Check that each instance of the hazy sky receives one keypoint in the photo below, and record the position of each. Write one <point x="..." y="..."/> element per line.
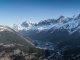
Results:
<point x="18" y="11"/>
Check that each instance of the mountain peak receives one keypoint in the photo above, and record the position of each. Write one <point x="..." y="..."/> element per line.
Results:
<point x="76" y="15"/>
<point x="29" y="22"/>
<point x="62" y="17"/>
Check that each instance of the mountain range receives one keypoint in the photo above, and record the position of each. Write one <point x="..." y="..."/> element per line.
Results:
<point x="61" y="23"/>
<point x="61" y="35"/>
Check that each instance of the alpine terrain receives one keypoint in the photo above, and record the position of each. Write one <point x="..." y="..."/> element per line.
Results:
<point x="61" y="37"/>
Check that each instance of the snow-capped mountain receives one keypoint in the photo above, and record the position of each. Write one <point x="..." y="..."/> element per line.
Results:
<point x="23" y="26"/>
<point x="70" y="24"/>
<point x="62" y="33"/>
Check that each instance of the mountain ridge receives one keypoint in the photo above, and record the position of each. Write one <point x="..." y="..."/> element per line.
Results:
<point x="61" y="22"/>
<point x="14" y="46"/>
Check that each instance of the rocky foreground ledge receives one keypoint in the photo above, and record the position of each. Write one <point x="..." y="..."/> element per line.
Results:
<point x="19" y="55"/>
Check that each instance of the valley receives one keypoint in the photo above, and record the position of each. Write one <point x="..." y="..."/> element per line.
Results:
<point x="60" y="36"/>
